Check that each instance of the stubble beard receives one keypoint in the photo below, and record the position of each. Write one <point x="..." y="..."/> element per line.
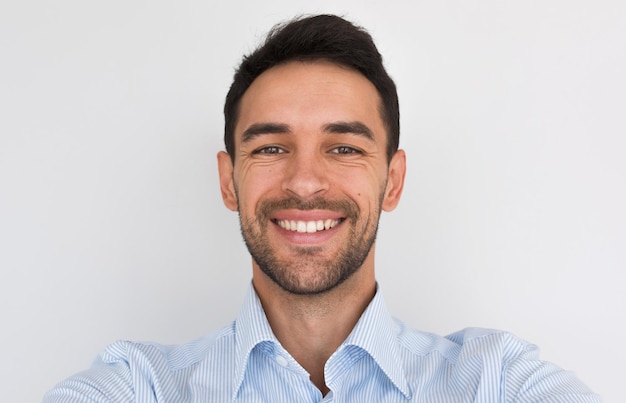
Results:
<point x="328" y="272"/>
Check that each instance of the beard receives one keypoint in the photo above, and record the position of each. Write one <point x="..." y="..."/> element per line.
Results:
<point x="329" y="272"/>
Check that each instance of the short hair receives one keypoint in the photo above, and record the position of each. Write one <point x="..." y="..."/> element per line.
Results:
<point x="320" y="37"/>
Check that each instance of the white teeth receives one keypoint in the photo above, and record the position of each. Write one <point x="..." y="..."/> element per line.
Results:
<point x="307" y="226"/>
<point x="301" y="226"/>
<point x="311" y="226"/>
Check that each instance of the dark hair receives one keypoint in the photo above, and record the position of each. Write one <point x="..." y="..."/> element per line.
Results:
<point x="321" y="37"/>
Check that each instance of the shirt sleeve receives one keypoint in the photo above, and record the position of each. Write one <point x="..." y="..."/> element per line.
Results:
<point x="528" y="379"/>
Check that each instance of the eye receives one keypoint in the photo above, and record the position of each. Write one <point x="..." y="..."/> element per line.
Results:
<point x="345" y="150"/>
<point x="269" y="150"/>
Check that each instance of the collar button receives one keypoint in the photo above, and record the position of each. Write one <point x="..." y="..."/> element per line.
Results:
<point x="282" y="361"/>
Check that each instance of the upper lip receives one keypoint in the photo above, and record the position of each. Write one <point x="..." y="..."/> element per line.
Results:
<point x="307" y="215"/>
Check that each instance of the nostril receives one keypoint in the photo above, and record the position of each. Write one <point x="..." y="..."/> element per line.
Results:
<point x="305" y="186"/>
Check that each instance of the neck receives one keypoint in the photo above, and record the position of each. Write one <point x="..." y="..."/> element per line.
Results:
<point x="312" y="327"/>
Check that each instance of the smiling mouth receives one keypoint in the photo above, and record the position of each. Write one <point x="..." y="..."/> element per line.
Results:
<point x="307" y="226"/>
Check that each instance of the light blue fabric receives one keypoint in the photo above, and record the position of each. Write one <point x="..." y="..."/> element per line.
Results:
<point x="380" y="361"/>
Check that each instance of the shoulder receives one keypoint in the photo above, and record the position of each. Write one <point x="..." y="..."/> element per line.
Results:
<point x="469" y="341"/>
<point x="491" y="342"/>
<point x="127" y="369"/>
<point x="511" y="365"/>
<point x="176" y="357"/>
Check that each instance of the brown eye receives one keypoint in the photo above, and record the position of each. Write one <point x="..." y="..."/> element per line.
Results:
<point x="270" y="150"/>
<point x="344" y="150"/>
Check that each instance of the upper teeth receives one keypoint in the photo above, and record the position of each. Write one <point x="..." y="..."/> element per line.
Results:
<point x="307" y="226"/>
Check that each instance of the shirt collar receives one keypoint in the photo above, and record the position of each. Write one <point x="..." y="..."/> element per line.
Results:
<point x="251" y="328"/>
<point x="376" y="332"/>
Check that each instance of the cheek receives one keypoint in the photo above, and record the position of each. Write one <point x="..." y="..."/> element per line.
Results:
<point x="255" y="185"/>
<point x="364" y="191"/>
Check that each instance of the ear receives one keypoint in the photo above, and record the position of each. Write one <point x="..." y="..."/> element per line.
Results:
<point x="395" y="181"/>
<point x="227" y="184"/>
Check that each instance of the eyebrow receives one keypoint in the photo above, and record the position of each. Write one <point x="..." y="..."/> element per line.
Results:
<point x="259" y="129"/>
<point x="355" y="127"/>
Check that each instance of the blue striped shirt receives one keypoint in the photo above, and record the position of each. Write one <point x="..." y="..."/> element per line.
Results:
<point x="381" y="361"/>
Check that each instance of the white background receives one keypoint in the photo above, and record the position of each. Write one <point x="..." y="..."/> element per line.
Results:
<point x="112" y="226"/>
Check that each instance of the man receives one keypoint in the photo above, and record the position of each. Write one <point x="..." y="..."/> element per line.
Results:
<point x="311" y="134"/>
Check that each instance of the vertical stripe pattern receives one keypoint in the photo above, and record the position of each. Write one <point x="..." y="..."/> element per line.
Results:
<point x="381" y="361"/>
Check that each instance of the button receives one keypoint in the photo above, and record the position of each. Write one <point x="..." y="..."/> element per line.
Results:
<point x="282" y="361"/>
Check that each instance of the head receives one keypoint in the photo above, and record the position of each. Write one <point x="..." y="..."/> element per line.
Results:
<point x="322" y="37"/>
<point x="312" y="138"/>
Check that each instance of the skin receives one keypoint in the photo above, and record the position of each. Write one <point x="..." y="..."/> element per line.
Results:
<point x="310" y="145"/>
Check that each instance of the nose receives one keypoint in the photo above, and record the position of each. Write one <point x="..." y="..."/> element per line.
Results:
<point x="306" y="175"/>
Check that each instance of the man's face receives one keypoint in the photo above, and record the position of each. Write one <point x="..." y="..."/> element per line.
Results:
<point x="310" y="175"/>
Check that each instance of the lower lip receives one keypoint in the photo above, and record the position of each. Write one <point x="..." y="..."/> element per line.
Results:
<point x="307" y="238"/>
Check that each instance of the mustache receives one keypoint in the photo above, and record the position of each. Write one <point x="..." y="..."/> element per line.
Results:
<point x="268" y="207"/>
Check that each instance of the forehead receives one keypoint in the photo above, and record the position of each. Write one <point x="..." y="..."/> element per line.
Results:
<point x="308" y="95"/>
